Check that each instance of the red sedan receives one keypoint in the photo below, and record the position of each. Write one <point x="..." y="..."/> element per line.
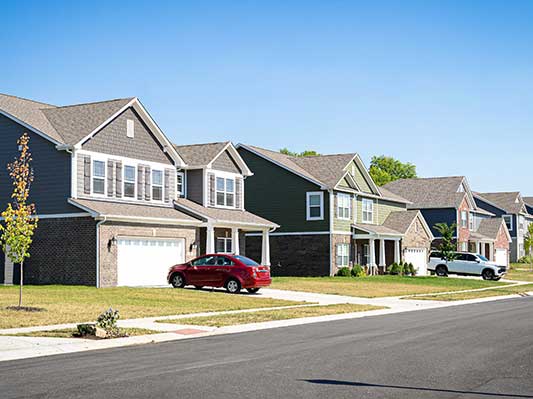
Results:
<point x="232" y="272"/>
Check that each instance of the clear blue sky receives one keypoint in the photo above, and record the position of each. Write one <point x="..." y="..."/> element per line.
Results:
<point x="447" y="85"/>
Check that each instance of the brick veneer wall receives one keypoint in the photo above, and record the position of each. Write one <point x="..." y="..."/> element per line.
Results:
<point x="340" y="239"/>
<point x="108" y="254"/>
<point x="416" y="236"/>
<point x="463" y="234"/>
<point x="294" y="255"/>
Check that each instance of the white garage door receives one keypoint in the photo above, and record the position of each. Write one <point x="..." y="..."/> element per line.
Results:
<point x="418" y="257"/>
<point x="145" y="261"/>
<point x="501" y="257"/>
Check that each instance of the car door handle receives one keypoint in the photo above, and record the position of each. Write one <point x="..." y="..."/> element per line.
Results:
<point x="220" y="270"/>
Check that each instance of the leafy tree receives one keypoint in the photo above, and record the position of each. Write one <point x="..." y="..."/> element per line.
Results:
<point x="19" y="217"/>
<point x="385" y="169"/>
<point x="447" y="247"/>
<point x="306" y="153"/>
<point x="528" y="245"/>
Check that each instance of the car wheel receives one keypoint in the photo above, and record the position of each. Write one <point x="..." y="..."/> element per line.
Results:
<point x="198" y="287"/>
<point x="441" y="271"/>
<point x="233" y="286"/>
<point x="252" y="290"/>
<point x="177" y="280"/>
<point x="487" y="274"/>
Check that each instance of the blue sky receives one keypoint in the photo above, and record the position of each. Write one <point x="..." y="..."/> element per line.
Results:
<point x="446" y="85"/>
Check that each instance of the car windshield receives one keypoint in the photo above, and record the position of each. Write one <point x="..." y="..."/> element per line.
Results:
<point x="482" y="258"/>
<point x="246" y="261"/>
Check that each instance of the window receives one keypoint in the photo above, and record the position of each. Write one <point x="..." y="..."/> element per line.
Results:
<point x="130" y="128"/>
<point x="343" y="206"/>
<point x="246" y="261"/>
<point x="315" y="205"/>
<point x="464" y="219"/>
<point x="205" y="261"/>
<point x="368" y="210"/>
<point x="157" y="185"/>
<point x="98" y="177"/>
<point x="521" y="221"/>
<point x="129" y="181"/>
<point x="343" y="254"/>
<point x="471" y="222"/>
<point x="464" y="246"/>
<point x="180" y="187"/>
<point x="224" y="245"/>
<point x="508" y="221"/>
<point x="225" y="192"/>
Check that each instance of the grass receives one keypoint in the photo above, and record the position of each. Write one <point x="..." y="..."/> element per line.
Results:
<point x="378" y="286"/>
<point x="520" y="271"/>
<point x="69" y="332"/>
<point x="270" y="315"/>
<point x="75" y="304"/>
<point x="460" y="296"/>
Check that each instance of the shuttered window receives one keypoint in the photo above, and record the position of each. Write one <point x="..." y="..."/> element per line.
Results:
<point x="98" y="177"/>
<point x="129" y="181"/>
<point x="225" y="192"/>
<point x="157" y="185"/>
<point x="180" y="184"/>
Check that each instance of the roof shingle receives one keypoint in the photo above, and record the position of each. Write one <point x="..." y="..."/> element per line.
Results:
<point x="199" y="155"/>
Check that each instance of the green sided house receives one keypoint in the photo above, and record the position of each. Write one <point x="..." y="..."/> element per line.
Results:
<point x="331" y="214"/>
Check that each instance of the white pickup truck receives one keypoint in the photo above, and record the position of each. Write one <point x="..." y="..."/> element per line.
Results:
<point x="466" y="263"/>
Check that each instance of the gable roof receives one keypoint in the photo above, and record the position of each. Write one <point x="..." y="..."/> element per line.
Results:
<point x="510" y="202"/>
<point x="490" y="227"/>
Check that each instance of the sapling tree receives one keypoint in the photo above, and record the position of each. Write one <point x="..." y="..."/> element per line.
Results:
<point x="528" y="245"/>
<point x="19" y="217"/>
<point x="447" y="246"/>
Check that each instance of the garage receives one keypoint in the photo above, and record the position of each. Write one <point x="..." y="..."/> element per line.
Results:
<point x="145" y="261"/>
<point x="418" y="257"/>
<point x="501" y="257"/>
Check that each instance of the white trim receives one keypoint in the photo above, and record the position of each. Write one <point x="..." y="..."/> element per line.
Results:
<point x="225" y="192"/>
<point x="104" y="161"/>
<point x="29" y="127"/>
<point x="135" y="185"/>
<point x="162" y="185"/>
<point x="300" y="233"/>
<point x="426" y="227"/>
<point x="229" y="146"/>
<point x="331" y="225"/>
<point x="349" y="207"/>
<point x="366" y="175"/>
<point x="308" y="194"/>
<point x="367" y="200"/>
<point x="343" y="233"/>
<point x="151" y="164"/>
<point x="98" y="224"/>
<point x="73" y="174"/>
<point x="352" y="180"/>
<point x="183" y="192"/>
<point x="512" y="222"/>
<point x="59" y="216"/>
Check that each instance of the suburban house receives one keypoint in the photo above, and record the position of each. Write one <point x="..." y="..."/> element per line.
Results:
<point x="513" y="209"/>
<point x="118" y="203"/>
<point x="528" y="201"/>
<point x="450" y="200"/>
<point x="331" y="215"/>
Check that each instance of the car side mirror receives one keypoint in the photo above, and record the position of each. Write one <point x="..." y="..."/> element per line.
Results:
<point x="478" y="261"/>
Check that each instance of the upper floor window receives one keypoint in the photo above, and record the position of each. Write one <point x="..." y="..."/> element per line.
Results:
<point x="368" y="210"/>
<point x="157" y="185"/>
<point x="129" y="181"/>
<point x="343" y="206"/>
<point x="180" y="184"/>
<point x="315" y="205"/>
<point x="508" y="221"/>
<point x="98" y="177"/>
<point x="464" y="219"/>
<point x="471" y="224"/>
<point x="521" y="222"/>
<point x="225" y="192"/>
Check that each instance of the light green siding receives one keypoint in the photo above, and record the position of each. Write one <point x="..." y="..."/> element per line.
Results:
<point x="358" y="177"/>
<point x="342" y="224"/>
<point x="360" y="210"/>
<point x="385" y="208"/>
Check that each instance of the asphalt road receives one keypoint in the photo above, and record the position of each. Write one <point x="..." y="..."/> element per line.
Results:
<point x="474" y="351"/>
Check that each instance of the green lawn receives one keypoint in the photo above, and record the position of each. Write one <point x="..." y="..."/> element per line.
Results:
<point x="460" y="296"/>
<point x="270" y="315"/>
<point x="69" y="333"/>
<point x="520" y="271"/>
<point x="75" y="304"/>
<point x="378" y="286"/>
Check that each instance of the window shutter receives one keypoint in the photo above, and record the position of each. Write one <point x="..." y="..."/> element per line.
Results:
<point x="211" y="189"/>
<point x="140" y="175"/>
<point x="110" y="178"/>
<point x="147" y="176"/>
<point x="118" y="179"/>
<point x="87" y="175"/>
<point x="167" y="185"/>
<point x="238" y="193"/>
<point x="354" y="209"/>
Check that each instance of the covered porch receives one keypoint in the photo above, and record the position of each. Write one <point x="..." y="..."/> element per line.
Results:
<point x="376" y="247"/>
<point x="482" y="245"/>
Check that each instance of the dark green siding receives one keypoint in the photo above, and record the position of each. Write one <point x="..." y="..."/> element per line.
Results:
<point x="279" y="195"/>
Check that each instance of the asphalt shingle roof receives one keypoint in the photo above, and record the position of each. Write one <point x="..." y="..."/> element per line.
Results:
<point x="199" y="155"/>
<point x="510" y="202"/>
<point x="400" y="220"/>
<point x="490" y="227"/>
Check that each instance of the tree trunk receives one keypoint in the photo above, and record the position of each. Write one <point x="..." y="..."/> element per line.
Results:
<point x="21" y="282"/>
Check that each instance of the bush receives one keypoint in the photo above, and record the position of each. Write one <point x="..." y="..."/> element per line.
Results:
<point x="107" y="321"/>
<point x="525" y="259"/>
<point x="344" y="272"/>
<point x="396" y="269"/>
<point x="409" y="269"/>
<point x="358" y="271"/>
<point x="86" y="329"/>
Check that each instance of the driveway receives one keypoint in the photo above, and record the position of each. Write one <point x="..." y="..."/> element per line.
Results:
<point x="476" y="351"/>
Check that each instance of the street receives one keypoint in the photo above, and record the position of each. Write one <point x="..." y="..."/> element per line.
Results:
<point x="474" y="351"/>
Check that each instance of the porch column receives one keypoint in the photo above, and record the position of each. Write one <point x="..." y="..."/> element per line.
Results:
<point x="478" y="247"/>
<point x="354" y="242"/>
<point x="382" y="262"/>
<point x="396" y="251"/>
<point x="483" y="248"/>
<point x="371" y="255"/>
<point x="210" y="239"/>
<point x="265" y="249"/>
<point x="491" y="255"/>
<point x="235" y="241"/>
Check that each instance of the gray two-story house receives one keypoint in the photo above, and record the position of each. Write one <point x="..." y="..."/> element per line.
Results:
<point x="118" y="203"/>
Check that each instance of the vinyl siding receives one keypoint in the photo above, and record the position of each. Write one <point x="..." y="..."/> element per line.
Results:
<point x="441" y="215"/>
<point x="51" y="187"/>
<point x="385" y="208"/>
<point x="342" y="224"/>
<point x="280" y="196"/>
<point x="360" y="180"/>
<point x="360" y="210"/>
<point x="225" y="162"/>
<point x="195" y="185"/>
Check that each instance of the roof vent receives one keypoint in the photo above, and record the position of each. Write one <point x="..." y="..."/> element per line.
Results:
<point x="130" y="128"/>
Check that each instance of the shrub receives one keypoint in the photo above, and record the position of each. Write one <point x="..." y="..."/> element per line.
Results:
<point x="108" y="321"/>
<point x="409" y="269"/>
<point x="525" y="259"/>
<point x="343" y="272"/>
<point x="358" y="271"/>
<point x="396" y="269"/>
<point x="86" y="329"/>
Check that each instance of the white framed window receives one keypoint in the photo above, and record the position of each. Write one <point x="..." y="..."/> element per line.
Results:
<point x="130" y="128"/>
<point x="464" y="246"/>
<point x="508" y="221"/>
<point x="224" y="245"/>
<point x="368" y="210"/>
<point x="225" y="192"/>
<point x="471" y="224"/>
<point x="343" y="255"/>
<point x="344" y="205"/>
<point x="129" y="180"/>
<point x="157" y="185"/>
<point x="98" y="179"/>
<point x="464" y="219"/>
<point x="315" y="205"/>
<point x="180" y="184"/>
<point x="521" y="222"/>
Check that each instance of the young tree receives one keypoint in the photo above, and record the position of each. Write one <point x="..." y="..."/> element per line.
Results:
<point x="528" y="245"/>
<point x="19" y="217"/>
<point x="385" y="169"/>
<point x="306" y="153"/>
<point x="447" y="247"/>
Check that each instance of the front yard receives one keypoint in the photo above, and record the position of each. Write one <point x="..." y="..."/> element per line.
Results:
<point x="461" y="296"/>
<point x="379" y="286"/>
<point x="520" y="271"/>
<point x="75" y="304"/>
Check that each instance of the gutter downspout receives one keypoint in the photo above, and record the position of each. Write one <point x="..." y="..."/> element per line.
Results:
<point x="98" y="224"/>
